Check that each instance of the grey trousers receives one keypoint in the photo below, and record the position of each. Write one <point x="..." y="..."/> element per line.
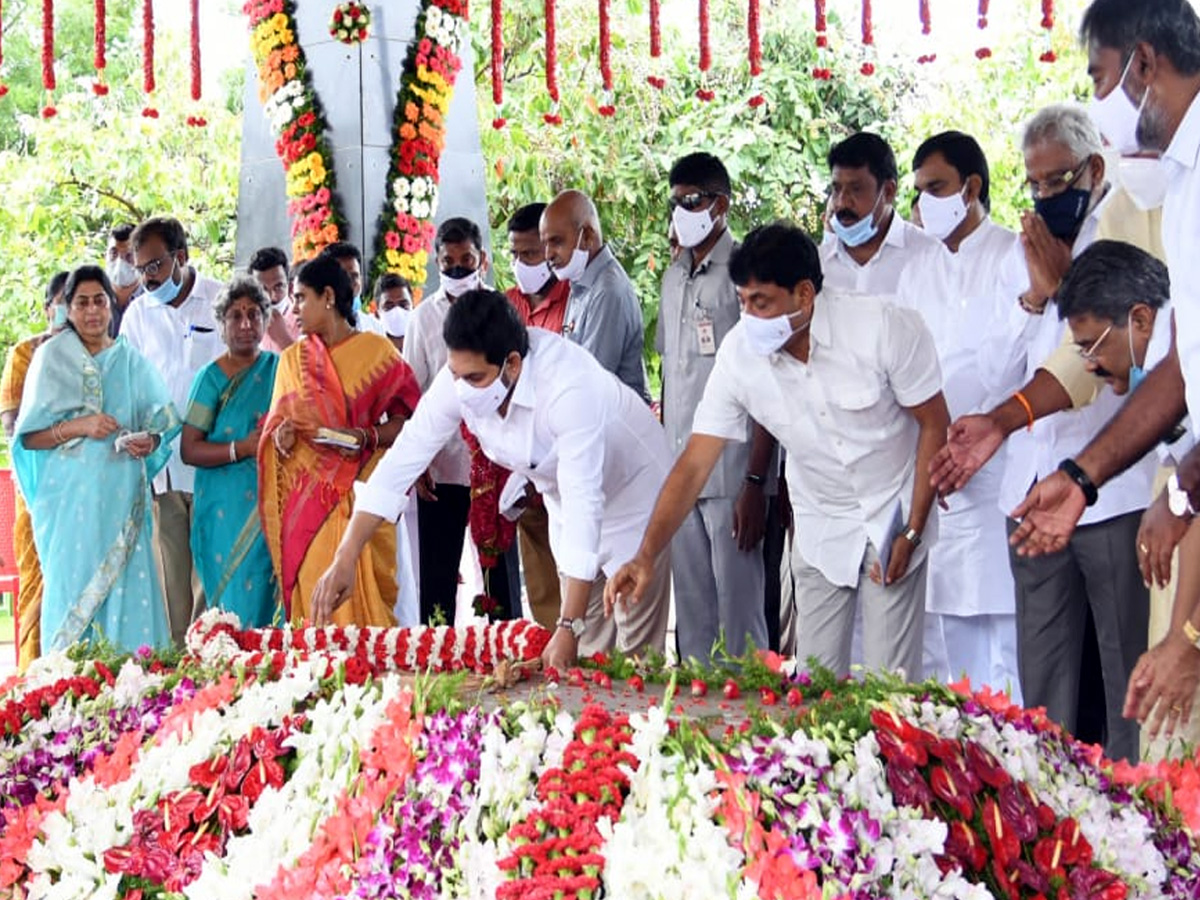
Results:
<point x="633" y="627"/>
<point x="173" y="552"/>
<point x="1098" y="568"/>
<point x="718" y="588"/>
<point x="893" y="616"/>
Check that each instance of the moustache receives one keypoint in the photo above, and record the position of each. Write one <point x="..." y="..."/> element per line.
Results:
<point x="1101" y="372"/>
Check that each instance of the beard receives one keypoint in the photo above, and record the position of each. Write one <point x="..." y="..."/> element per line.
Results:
<point x="1152" y="129"/>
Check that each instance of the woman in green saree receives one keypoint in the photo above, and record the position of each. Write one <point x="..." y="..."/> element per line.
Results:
<point x="229" y="398"/>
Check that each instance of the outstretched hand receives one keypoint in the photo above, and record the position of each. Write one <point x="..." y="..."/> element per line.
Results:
<point x="1048" y="516"/>
<point x="970" y="443"/>
<point x="333" y="589"/>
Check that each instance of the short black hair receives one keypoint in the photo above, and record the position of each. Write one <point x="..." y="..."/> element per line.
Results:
<point x="704" y="171"/>
<point x="458" y="230"/>
<point x="324" y="271"/>
<point x="122" y="232"/>
<point x="168" y="230"/>
<point x="266" y="258"/>
<point x="865" y="149"/>
<point x="390" y="281"/>
<point x="88" y="273"/>
<point x="964" y="155"/>
<point x="527" y="218"/>
<point x="343" y="250"/>
<point x="779" y="253"/>
<point x="55" y="286"/>
<point x="483" y="321"/>
<point x="1171" y="27"/>
<point x="1108" y="278"/>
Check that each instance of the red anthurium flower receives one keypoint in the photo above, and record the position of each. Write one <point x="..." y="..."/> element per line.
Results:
<point x="909" y="788"/>
<point x="209" y="772"/>
<point x="1006" y="846"/>
<point x="965" y="846"/>
<point x="1076" y="849"/>
<point x="1018" y="812"/>
<point x="900" y="752"/>
<point x="986" y="766"/>
<point x="1047" y="854"/>
<point x="239" y="765"/>
<point x="945" y="789"/>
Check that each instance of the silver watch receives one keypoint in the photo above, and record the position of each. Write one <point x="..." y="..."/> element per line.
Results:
<point x="1178" y="500"/>
<point x="575" y="626"/>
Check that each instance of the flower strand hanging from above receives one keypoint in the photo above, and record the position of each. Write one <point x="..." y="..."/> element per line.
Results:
<point x="754" y="51"/>
<point x="984" y="51"/>
<point x="820" y="26"/>
<point x="553" y="117"/>
<point x="298" y="124"/>
<point x="868" y="37"/>
<point x="3" y="86"/>
<point x="148" y="58"/>
<point x="48" y="81"/>
<point x="99" y="48"/>
<point x="350" y="23"/>
<point x="498" y="121"/>
<point x="1048" y="55"/>
<point x="196" y="121"/>
<point x="607" y="107"/>
<point x="406" y="228"/>
<point x="654" y="79"/>
<point x="926" y="29"/>
<point x="703" y="92"/>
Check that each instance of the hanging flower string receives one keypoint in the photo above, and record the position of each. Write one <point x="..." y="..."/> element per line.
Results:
<point x="48" y="82"/>
<point x="552" y="117"/>
<point x="754" y="51"/>
<point x="655" y="80"/>
<point x="868" y="37"/>
<point x="820" y="26"/>
<point x="1048" y="55"/>
<point x="704" y="93"/>
<point x="498" y="64"/>
<point x="196" y="121"/>
<point x="607" y="108"/>
<point x="99" y="48"/>
<point x="984" y="51"/>
<point x="3" y="86"/>
<point x="926" y="29"/>
<point x="148" y="58"/>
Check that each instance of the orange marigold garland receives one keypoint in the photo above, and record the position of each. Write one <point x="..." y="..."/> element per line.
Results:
<point x="406" y="228"/>
<point x="297" y="120"/>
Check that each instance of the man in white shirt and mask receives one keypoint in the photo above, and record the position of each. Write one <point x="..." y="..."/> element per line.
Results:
<point x="118" y="263"/>
<point x="545" y="409"/>
<point x="393" y="307"/>
<point x="350" y="258"/>
<point x="269" y="267"/>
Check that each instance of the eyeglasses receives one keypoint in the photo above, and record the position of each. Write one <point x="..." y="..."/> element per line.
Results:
<point x="691" y="202"/>
<point x="1056" y="183"/>
<point x="1089" y="355"/>
<point x="151" y="268"/>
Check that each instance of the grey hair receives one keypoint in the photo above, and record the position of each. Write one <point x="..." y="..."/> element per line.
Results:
<point x="238" y="289"/>
<point x="1067" y="124"/>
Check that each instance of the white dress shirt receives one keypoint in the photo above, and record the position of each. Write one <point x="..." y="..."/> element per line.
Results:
<point x="179" y="342"/>
<point x="841" y="418"/>
<point x="425" y="352"/>
<point x="1157" y="350"/>
<point x="969" y="574"/>
<point x="1181" y="237"/>
<point x="369" y="324"/>
<point x="586" y="441"/>
<point x="904" y="246"/>
<point x="1035" y="454"/>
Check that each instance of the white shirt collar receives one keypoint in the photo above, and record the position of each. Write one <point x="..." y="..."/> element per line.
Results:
<point x="1185" y="145"/>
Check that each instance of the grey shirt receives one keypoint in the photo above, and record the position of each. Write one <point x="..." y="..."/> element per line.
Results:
<point x="605" y="318"/>
<point x="688" y="299"/>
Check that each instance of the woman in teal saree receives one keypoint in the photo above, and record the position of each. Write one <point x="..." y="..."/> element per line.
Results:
<point x="229" y="398"/>
<point x="97" y="426"/>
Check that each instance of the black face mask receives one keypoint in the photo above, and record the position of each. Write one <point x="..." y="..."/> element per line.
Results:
<point x="457" y="272"/>
<point x="1064" y="213"/>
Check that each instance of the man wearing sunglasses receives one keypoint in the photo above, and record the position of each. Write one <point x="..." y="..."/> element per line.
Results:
<point x="172" y="324"/>
<point x="718" y="576"/>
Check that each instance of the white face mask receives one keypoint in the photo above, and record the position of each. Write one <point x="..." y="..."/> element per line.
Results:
<point x="121" y="273"/>
<point x="395" y="320"/>
<point x="691" y="228"/>
<point x="1117" y="117"/>
<point x="941" y="215"/>
<point x="481" y="401"/>
<point x="531" y="279"/>
<point x="767" y="336"/>
<point x="573" y="270"/>
<point x="1144" y="179"/>
<point x="456" y="287"/>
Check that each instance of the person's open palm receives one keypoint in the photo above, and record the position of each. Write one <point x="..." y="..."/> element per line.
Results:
<point x="1048" y="516"/>
<point x="970" y="443"/>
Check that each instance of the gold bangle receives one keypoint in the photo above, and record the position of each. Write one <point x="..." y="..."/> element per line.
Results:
<point x="56" y="433"/>
<point x="1191" y="632"/>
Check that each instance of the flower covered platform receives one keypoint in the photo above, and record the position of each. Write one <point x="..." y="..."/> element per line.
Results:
<point x="435" y="763"/>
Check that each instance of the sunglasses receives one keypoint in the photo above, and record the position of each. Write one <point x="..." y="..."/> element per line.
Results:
<point x="691" y="202"/>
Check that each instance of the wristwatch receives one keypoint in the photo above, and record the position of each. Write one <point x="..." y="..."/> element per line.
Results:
<point x="575" y="626"/>
<point x="910" y="534"/>
<point x="1080" y="477"/>
<point x="1178" y="500"/>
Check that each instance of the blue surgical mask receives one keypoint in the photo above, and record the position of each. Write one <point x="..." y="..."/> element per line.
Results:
<point x="1136" y="372"/>
<point x="357" y="303"/>
<point x="169" y="289"/>
<point x="60" y="317"/>
<point x="1064" y="213"/>
<point x="860" y="232"/>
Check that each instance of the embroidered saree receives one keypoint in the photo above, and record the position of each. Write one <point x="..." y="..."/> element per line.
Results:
<point x="228" y="547"/>
<point x="90" y="505"/>
<point x="306" y="497"/>
<point x="28" y="611"/>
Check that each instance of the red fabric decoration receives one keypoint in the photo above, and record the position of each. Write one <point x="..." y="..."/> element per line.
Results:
<point x="147" y="47"/>
<point x="101" y="38"/>
<point x="195" y="61"/>
<point x="755" y="51"/>
<point x="705" y="49"/>
<point x="551" y="57"/>
<point x="606" y="77"/>
<point x="48" y="46"/>
<point x="868" y="28"/>
<point x="497" y="55"/>
<point x="926" y="20"/>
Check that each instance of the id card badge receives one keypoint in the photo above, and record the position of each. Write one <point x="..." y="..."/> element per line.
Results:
<point x="707" y="336"/>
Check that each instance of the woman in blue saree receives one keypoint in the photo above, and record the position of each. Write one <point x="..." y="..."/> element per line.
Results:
<point x="97" y="426"/>
<point x="229" y="398"/>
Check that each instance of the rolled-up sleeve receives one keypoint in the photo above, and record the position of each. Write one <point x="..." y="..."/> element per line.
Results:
<point x="578" y="433"/>
<point x="434" y="422"/>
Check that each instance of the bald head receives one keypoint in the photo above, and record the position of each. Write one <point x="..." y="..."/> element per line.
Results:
<point x="570" y="221"/>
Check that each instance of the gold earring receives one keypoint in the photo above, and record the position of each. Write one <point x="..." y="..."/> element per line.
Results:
<point x="329" y="306"/>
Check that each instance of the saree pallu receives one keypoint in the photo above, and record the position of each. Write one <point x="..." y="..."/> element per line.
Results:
<point x="90" y="504"/>
<point x="228" y="547"/>
<point x="306" y="497"/>
<point x="29" y="570"/>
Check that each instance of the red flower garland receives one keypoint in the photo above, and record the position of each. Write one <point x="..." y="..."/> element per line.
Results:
<point x="983" y="52"/>
<point x="1048" y="23"/>
<point x="552" y="117"/>
<point x="148" y="56"/>
<point x="926" y="28"/>
<point x="196" y="83"/>
<point x="99" y="47"/>
<point x="755" y="49"/>
<point x="492" y="533"/>
<point x="820" y="25"/>
<point x="705" y="54"/>
<point x="868" y="28"/>
<point x="606" y="79"/>
<point x="3" y="86"/>
<point x="497" y="62"/>
<point x="48" y="81"/>
<point x="655" y="81"/>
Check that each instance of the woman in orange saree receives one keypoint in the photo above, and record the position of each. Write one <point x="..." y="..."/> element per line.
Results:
<point x="340" y="398"/>
<point x="28" y="612"/>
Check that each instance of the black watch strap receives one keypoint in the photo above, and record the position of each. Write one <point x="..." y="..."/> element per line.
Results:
<point x="1080" y="477"/>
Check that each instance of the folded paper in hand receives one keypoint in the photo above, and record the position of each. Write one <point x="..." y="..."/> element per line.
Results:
<point x="512" y="495"/>
<point x="895" y="528"/>
<point x="335" y="437"/>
